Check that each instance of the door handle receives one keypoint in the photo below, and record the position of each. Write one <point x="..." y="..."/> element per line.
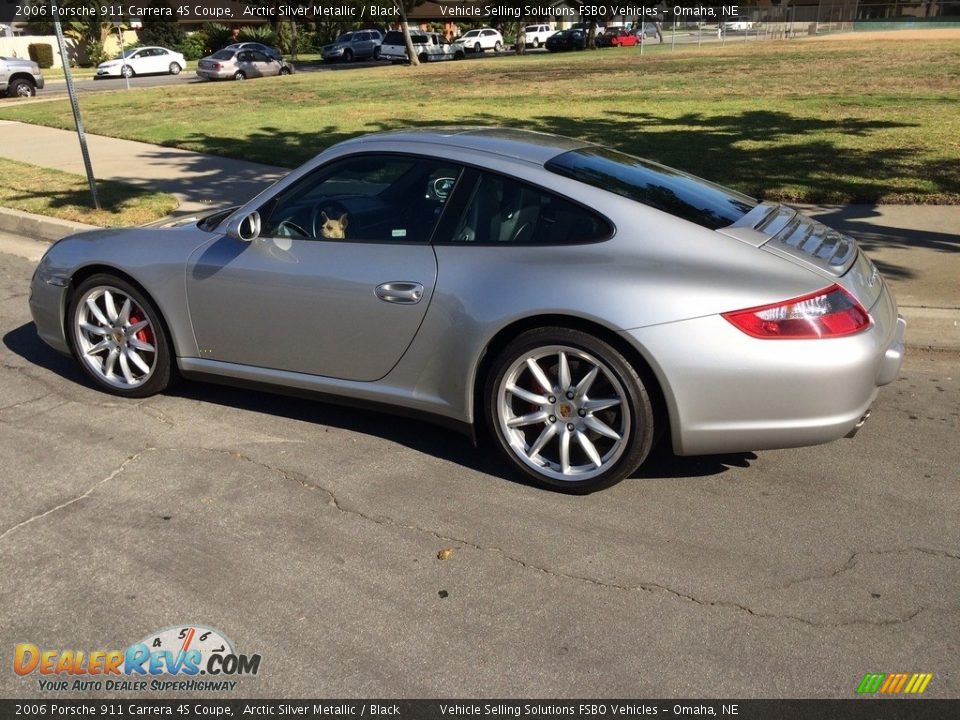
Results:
<point x="402" y="293"/>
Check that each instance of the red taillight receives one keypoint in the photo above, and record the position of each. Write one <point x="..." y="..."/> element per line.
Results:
<point x="831" y="312"/>
<point x="217" y="66"/>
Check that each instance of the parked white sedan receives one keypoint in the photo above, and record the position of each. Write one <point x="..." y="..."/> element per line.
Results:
<point x="143" y="61"/>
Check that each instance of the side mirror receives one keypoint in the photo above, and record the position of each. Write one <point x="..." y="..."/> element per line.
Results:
<point x="245" y="228"/>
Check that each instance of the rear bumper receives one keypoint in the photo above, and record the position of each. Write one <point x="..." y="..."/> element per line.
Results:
<point x="728" y="392"/>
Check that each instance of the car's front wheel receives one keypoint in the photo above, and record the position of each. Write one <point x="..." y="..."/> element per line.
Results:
<point x="568" y="409"/>
<point x="118" y="337"/>
<point x="127" y="71"/>
<point x="21" y="88"/>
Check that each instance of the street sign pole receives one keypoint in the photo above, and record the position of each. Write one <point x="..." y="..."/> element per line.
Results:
<point x="72" y="92"/>
<point x="123" y="55"/>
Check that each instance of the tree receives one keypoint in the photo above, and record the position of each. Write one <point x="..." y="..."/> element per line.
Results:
<point x="403" y="6"/>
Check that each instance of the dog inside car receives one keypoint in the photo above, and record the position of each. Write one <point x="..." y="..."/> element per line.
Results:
<point x="334" y="228"/>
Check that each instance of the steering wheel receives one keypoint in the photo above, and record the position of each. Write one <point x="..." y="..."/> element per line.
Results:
<point x="288" y="228"/>
<point x="333" y="210"/>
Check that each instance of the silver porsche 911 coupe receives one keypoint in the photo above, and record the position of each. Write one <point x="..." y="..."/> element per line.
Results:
<point x="575" y="302"/>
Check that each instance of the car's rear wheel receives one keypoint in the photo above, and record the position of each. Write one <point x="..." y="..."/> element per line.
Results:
<point x="175" y="68"/>
<point x="21" y="88"/>
<point x="127" y="71"/>
<point x="119" y="338"/>
<point x="458" y="55"/>
<point x="422" y="57"/>
<point x="376" y="53"/>
<point x="498" y="46"/>
<point x="239" y="75"/>
<point x="568" y="410"/>
<point x="284" y="71"/>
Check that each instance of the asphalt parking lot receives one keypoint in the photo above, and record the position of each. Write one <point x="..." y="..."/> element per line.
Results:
<point x="310" y="534"/>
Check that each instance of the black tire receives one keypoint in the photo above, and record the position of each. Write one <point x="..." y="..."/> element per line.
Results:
<point x="175" y="68"/>
<point x="498" y="46"/>
<point x="634" y="414"/>
<point x="477" y="49"/>
<point x="239" y="75"/>
<point x="21" y="88"/>
<point x="458" y="55"/>
<point x="284" y="71"/>
<point x="348" y="55"/>
<point x="376" y="53"/>
<point x="127" y="71"/>
<point x="423" y="58"/>
<point x="164" y="374"/>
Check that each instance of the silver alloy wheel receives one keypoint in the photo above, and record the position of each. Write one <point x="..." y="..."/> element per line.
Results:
<point x="25" y="89"/>
<point x="127" y="71"/>
<point x="564" y="413"/>
<point x="115" y="337"/>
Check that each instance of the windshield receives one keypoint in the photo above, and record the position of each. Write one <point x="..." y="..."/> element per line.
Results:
<point x="125" y="54"/>
<point x="345" y="37"/>
<point x="655" y="185"/>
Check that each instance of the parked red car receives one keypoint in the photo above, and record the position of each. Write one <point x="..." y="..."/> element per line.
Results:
<point x="617" y="38"/>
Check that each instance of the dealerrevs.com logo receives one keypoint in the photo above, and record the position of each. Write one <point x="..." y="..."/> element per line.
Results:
<point x="180" y="658"/>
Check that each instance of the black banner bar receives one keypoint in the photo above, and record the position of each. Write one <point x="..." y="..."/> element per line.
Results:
<point x="853" y="709"/>
<point x="462" y="11"/>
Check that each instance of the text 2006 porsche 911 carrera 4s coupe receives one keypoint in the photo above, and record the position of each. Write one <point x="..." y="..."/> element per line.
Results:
<point x="575" y="302"/>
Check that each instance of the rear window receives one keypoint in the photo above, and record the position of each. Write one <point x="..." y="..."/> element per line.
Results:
<point x="222" y="55"/>
<point x="393" y="38"/>
<point x="655" y="185"/>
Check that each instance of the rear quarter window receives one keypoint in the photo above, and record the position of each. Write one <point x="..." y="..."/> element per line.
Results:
<point x="658" y="186"/>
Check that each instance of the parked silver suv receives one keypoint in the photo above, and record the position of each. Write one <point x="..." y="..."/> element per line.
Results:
<point x="354" y="45"/>
<point x="19" y="78"/>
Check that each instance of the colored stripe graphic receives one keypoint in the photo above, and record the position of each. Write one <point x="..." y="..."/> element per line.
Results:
<point x="894" y="683"/>
<point x="871" y="683"/>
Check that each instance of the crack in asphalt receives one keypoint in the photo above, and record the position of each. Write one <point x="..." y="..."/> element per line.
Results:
<point x="25" y="402"/>
<point x="113" y="473"/>
<point x="648" y="587"/>
<point x="852" y="563"/>
<point x="383" y="520"/>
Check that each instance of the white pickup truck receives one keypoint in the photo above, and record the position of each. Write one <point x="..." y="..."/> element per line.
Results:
<point x="536" y="35"/>
<point x="428" y="46"/>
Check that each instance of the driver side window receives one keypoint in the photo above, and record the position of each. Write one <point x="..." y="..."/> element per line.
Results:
<point x="365" y="198"/>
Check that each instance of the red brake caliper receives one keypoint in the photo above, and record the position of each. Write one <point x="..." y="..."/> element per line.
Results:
<point x="143" y="335"/>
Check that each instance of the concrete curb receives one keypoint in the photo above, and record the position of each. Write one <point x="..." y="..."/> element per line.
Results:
<point x="39" y="227"/>
<point x="932" y="328"/>
<point x="927" y="327"/>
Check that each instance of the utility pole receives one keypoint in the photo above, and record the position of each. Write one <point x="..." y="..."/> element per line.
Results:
<point x="72" y="92"/>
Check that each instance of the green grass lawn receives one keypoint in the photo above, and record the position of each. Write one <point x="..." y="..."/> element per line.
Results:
<point x="835" y="121"/>
<point x="67" y="196"/>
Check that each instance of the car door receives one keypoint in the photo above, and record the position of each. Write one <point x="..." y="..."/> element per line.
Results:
<point x="244" y="61"/>
<point x="362" y="45"/>
<point x="161" y="60"/>
<point x="266" y="66"/>
<point x="300" y="299"/>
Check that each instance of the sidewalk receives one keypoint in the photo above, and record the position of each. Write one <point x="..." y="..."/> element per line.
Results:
<point x="200" y="182"/>
<point x="917" y="247"/>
